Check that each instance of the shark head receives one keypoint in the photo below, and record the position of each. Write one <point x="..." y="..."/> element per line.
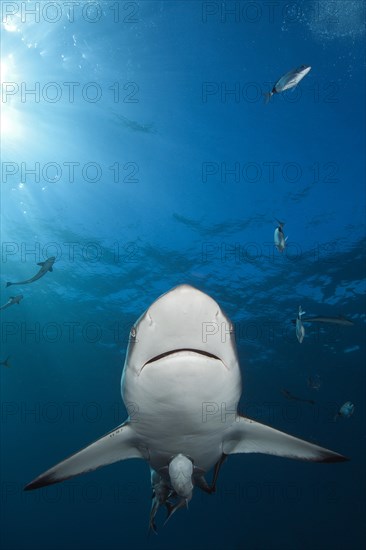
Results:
<point x="16" y="299"/>
<point x="182" y="321"/>
<point x="181" y="357"/>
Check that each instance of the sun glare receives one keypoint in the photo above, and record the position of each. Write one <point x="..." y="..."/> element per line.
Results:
<point x="10" y="21"/>
<point x="10" y="27"/>
<point x="7" y="68"/>
<point x="4" y="71"/>
<point x="11" y="126"/>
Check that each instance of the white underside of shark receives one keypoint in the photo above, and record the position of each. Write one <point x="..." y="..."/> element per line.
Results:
<point x="181" y="372"/>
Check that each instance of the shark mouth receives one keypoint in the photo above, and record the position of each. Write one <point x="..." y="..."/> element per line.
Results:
<point x="172" y="352"/>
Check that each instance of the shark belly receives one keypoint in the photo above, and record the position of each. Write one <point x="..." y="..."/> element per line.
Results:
<point x="182" y="403"/>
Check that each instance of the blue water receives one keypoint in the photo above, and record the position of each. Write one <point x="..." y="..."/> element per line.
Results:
<point x="155" y="162"/>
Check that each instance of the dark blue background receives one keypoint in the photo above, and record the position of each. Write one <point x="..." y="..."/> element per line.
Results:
<point x="172" y="222"/>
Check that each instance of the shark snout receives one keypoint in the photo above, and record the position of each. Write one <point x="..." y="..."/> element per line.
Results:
<point x="182" y="323"/>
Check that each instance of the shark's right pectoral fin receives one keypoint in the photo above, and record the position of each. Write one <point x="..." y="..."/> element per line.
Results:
<point x="120" y="444"/>
<point x="248" y="436"/>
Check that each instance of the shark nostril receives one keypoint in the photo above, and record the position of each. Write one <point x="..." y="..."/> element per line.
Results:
<point x="133" y="332"/>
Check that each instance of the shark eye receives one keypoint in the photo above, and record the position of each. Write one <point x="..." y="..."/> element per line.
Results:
<point x="133" y="332"/>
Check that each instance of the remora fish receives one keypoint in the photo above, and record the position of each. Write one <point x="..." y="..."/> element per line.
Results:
<point x="179" y="368"/>
<point x="12" y="300"/>
<point x="290" y="396"/>
<point x="45" y="267"/>
<point x="279" y="237"/>
<point x="287" y="81"/>
<point x="333" y="320"/>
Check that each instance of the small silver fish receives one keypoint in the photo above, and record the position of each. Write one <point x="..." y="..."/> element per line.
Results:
<point x="300" y="329"/>
<point x="288" y="80"/>
<point x="279" y="237"/>
<point x="346" y="410"/>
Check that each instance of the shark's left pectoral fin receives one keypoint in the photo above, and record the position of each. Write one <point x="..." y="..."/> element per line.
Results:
<point x="248" y="436"/>
<point x="120" y="444"/>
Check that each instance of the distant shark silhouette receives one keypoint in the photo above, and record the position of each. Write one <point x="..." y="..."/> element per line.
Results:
<point x="6" y="362"/>
<point x="12" y="301"/>
<point x="333" y="320"/>
<point x="45" y="267"/>
<point x="293" y="397"/>
<point x="180" y="369"/>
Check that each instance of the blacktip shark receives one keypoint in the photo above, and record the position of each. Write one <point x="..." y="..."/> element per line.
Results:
<point x="182" y="379"/>
<point x="279" y="237"/>
<point x="12" y="301"/>
<point x="45" y="267"/>
<point x="288" y="80"/>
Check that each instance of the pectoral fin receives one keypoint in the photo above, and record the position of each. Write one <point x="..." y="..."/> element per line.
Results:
<point x="120" y="444"/>
<point x="248" y="436"/>
<point x="40" y="263"/>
